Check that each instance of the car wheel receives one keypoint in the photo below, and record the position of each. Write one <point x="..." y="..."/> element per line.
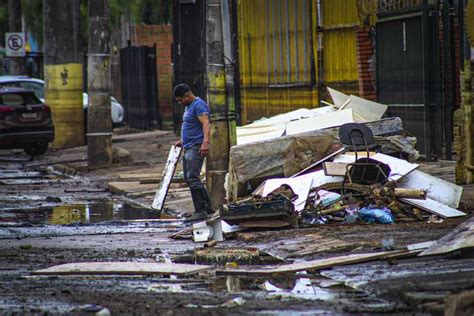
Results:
<point x="36" y="149"/>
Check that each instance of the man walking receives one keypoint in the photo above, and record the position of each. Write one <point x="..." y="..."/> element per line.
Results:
<point x="195" y="135"/>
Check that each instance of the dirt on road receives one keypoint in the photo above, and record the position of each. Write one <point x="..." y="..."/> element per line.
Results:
<point x="55" y="210"/>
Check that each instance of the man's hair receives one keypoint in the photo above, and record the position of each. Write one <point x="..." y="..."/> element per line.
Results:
<point x="181" y="89"/>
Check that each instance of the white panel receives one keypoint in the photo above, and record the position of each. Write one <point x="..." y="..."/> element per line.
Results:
<point x="435" y="207"/>
<point x="436" y="189"/>
<point x="319" y="122"/>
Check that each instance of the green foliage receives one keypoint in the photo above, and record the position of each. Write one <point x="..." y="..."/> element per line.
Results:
<point x="136" y="11"/>
<point x="32" y="11"/>
<point x="3" y="20"/>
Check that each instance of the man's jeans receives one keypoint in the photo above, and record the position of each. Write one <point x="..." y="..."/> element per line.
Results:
<point x="192" y="164"/>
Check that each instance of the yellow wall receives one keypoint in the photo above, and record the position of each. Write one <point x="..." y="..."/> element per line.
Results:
<point x="274" y="56"/>
<point x="275" y="51"/>
<point x="340" y="17"/>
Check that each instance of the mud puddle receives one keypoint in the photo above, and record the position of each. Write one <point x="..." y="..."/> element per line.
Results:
<point x="91" y="213"/>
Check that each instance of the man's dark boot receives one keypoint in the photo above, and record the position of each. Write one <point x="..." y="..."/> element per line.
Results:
<point x="199" y="206"/>
<point x="207" y="202"/>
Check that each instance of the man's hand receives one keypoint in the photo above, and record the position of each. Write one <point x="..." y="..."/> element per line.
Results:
<point x="178" y="143"/>
<point x="204" y="150"/>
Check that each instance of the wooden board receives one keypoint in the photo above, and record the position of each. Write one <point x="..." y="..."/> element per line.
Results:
<point x="434" y="207"/>
<point x="139" y="176"/>
<point x="138" y="268"/>
<point x="338" y="98"/>
<point x="314" y="264"/>
<point x="399" y="167"/>
<point x="333" y="119"/>
<point x="367" y="110"/>
<point x="462" y="237"/>
<point x="129" y="187"/>
<point x="160" y="196"/>
<point x="335" y="168"/>
<point x="436" y="189"/>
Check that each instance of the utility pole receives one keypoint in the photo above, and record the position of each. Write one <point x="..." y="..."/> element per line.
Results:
<point x="219" y="99"/>
<point x="63" y="70"/>
<point x="99" y="123"/>
<point x="17" y="64"/>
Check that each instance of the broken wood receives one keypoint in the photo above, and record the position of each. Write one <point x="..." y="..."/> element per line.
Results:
<point x="123" y="188"/>
<point x="313" y="264"/>
<point x="462" y="237"/>
<point x="265" y="224"/>
<point x="122" y="268"/>
<point x="173" y="157"/>
<point x="410" y="193"/>
<point x="434" y="207"/>
<point x="336" y="168"/>
<point x="437" y="189"/>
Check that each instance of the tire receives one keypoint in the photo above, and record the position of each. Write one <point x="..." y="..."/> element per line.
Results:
<point x="36" y="149"/>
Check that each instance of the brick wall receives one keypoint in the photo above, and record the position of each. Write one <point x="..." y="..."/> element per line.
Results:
<point x="366" y="63"/>
<point x="162" y="37"/>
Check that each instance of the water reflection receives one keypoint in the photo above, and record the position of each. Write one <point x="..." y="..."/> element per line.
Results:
<point x="79" y="213"/>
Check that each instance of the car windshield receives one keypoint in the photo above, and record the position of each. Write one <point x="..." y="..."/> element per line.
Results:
<point x="16" y="99"/>
<point x="36" y="87"/>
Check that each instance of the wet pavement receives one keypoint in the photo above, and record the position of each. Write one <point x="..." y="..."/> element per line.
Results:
<point x="54" y="211"/>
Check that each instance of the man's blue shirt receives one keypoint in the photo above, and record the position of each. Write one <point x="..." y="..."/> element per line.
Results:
<point x="192" y="132"/>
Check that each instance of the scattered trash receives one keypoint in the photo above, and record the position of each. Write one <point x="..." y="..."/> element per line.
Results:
<point x="376" y="215"/>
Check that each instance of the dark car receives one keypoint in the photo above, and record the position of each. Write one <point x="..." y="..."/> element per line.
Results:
<point x="25" y="121"/>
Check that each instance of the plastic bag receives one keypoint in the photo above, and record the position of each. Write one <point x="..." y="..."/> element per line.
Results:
<point x="376" y="215"/>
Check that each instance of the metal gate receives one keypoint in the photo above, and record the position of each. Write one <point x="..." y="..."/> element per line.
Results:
<point x="416" y="73"/>
<point x="400" y="73"/>
<point x="140" y="87"/>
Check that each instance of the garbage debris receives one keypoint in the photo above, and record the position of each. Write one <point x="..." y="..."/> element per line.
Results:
<point x="345" y="171"/>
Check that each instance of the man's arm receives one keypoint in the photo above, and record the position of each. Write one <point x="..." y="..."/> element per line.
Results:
<point x="206" y="127"/>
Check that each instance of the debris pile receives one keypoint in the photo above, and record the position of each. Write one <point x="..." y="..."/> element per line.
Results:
<point x="294" y="171"/>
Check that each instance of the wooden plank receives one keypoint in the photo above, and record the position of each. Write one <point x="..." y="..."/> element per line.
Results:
<point x="338" y="98"/>
<point x="436" y="189"/>
<point x="173" y="157"/>
<point x="462" y="237"/>
<point x="399" y="167"/>
<point x="129" y="187"/>
<point x="265" y="223"/>
<point x="139" y="176"/>
<point x="137" y="268"/>
<point x="367" y="110"/>
<point x="434" y="207"/>
<point x="319" y="122"/>
<point x="6" y="174"/>
<point x="335" y="168"/>
<point x="314" y="264"/>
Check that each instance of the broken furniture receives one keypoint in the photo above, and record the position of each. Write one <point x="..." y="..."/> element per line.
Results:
<point x="364" y="170"/>
<point x="261" y="212"/>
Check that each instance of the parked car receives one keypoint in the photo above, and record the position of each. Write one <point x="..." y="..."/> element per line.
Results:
<point x="37" y="86"/>
<point x="25" y="121"/>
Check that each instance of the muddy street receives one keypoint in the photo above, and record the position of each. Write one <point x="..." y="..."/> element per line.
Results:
<point x="53" y="210"/>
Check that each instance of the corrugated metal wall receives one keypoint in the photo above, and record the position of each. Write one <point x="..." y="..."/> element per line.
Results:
<point x="340" y="17"/>
<point x="278" y="53"/>
<point x="275" y="57"/>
